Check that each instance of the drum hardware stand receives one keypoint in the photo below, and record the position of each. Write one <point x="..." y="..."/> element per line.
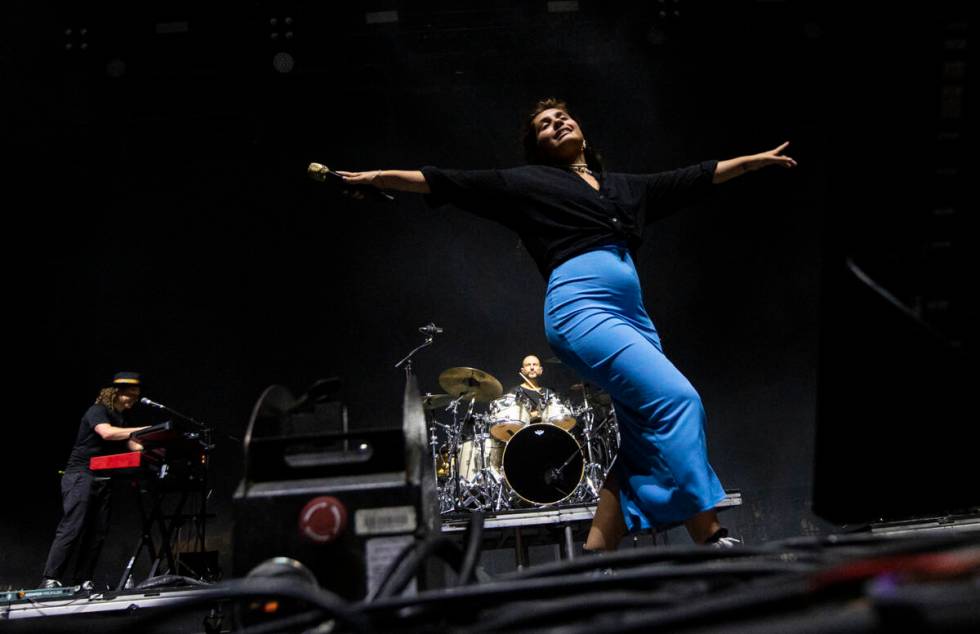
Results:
<point x="599" y="471"/>
<point x="445" y="503"/>
<point x="502" y="503"/>
<point x="475" y="494"/>
<point x="449" y="495"/>
<point x="593" y="470"/>
<point x="484" y="484"/>
<point x="609" y="446"/>
<point x="505" y="496"/>
<point x="455" y="444"/>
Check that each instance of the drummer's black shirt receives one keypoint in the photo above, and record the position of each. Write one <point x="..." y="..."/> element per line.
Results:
<point x="557" y="214"/>
<point x="89" y="443"/>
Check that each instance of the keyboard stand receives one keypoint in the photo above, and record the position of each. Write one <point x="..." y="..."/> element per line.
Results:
<point x="156" y="518"/>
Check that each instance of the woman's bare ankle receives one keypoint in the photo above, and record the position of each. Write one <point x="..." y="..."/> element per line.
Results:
<point x="603" y="540"/>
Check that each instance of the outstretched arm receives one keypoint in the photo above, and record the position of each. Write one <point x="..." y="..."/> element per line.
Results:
<point x="397" y="180"/>
<point x="727" y="170"/>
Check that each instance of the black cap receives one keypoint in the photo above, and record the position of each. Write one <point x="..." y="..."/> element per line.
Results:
<point x="122" y="379"/>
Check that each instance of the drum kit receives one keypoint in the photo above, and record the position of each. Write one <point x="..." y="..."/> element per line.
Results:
<point x="503" y="451"/>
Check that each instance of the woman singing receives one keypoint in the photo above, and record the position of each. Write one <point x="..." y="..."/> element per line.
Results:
<point x="582" y="227"/>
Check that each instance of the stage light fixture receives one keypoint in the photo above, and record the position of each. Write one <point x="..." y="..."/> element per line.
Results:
<point x="76" y="39"/>
<point x="283" y="62"/>
<point x="381" y="17"/>
<point x="563" y="6"/>
<point x="115" y="68"/>
<point x="281" y="31"/>
<point x="668" y="9"/>
<point x="281" y="28"/>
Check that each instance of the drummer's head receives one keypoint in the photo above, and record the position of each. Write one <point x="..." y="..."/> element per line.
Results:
<point x="531" y="367"/>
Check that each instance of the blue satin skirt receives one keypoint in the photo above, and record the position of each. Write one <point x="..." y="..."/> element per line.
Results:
<point x="596" y="323"/>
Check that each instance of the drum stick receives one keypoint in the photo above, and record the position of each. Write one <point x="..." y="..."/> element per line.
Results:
<point x="527" y="379"/>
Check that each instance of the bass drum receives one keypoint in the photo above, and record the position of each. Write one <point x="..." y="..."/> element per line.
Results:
<point x="543" y="464"/>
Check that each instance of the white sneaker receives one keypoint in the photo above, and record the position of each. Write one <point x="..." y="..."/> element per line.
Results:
<point x="726" y="542"/>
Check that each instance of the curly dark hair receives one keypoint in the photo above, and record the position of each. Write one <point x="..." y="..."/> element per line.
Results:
<point x="107" y="397"/>
<point x="529" y="136"/>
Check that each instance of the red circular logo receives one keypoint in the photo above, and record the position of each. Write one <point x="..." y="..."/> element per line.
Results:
<point x="323" y="519"/>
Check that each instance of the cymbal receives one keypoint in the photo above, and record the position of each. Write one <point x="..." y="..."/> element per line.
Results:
<point x="554" y="361"/>
<point x="435" y="401"/>
<point x="479" y="385"/>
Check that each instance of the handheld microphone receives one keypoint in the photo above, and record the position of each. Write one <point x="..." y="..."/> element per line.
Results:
<point x="146" y="401"/>
<point x="431" y="329"/>
<point x="324" y="174"/>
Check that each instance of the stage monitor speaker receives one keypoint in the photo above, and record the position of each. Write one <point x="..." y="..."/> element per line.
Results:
<point x="342" y="504"/>
<point x="896" y="415"/>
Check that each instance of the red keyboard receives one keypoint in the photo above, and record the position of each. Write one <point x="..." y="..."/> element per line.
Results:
<point x="117" y="461"/>
<point x="170" y="457"/>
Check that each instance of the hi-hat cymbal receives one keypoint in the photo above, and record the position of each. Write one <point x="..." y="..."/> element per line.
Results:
<point x="477" y="384"/>
<point x="435" y="401"/>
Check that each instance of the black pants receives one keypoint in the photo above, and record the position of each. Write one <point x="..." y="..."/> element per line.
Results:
<point x="86" y="504"/>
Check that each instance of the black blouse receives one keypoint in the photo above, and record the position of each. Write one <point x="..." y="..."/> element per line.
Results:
<point x="557" y="214"/>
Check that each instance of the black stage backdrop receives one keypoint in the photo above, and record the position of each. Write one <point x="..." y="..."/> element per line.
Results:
<point x="159" y="218"/>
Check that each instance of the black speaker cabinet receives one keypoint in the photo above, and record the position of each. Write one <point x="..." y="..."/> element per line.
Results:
<point x="340" y="503"/>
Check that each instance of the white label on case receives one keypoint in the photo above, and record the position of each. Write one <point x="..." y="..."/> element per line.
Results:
<point x="385" y="520"/>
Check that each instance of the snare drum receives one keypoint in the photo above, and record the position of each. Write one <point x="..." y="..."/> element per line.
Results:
<point x="508" y="415"/>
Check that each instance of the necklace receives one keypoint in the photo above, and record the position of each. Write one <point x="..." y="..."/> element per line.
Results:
<point x="581" y="168"/>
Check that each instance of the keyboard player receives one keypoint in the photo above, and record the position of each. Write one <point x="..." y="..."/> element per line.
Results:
<point x="86" y="498"/>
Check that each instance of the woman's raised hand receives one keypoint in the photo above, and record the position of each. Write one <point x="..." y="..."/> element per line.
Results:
<point x="732" y="168"/>
<point x="774" y="157"/>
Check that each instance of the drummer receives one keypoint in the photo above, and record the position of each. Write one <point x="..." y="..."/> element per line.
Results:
<point x="529" y="389"/>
